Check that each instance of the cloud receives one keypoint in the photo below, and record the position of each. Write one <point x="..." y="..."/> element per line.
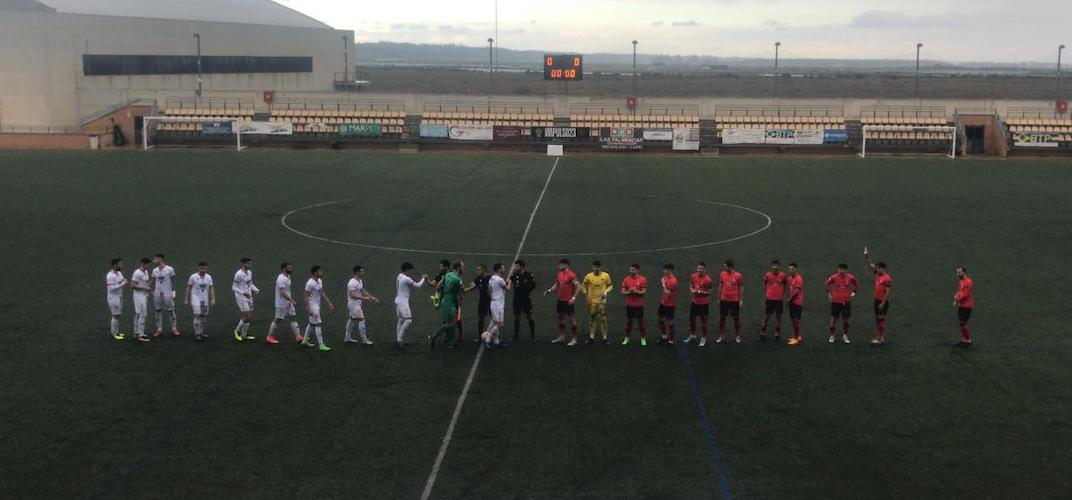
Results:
<point x="888" y="19"/>
<point x="772" y="24"/>
<point x="657" y="24"/>
<point x="408" y="27"/>
<point x="685" y="24"/>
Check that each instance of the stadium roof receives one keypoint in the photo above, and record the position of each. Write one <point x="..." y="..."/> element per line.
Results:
<point x="264" y="12"/>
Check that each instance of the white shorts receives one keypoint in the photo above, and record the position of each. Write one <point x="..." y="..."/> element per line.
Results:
<point x="141" y="305"/>
<point x="356" y="312"/>
<point x="314" y="315"/>
<point x="498" y="313"/>
<point x="402" y="311"/>
<point x="285" y="312"/>
<point x="116" y="306"/>
<point x="200" y="308"/>
<point x="245" y="304"/>
<point x="164" y="302"/>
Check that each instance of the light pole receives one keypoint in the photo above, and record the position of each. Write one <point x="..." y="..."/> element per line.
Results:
<point x="345" y="60"/>
<point x="491" y="70"/>
<point x="777" y="47"/>
<point x="634" y="68"/>
<point x="197" y="36"/>
<point x="1059" y="51"/>
<point x="919" y="47"/>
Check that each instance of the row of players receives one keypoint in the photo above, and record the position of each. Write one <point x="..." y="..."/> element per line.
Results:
<point x="781" y="288"/>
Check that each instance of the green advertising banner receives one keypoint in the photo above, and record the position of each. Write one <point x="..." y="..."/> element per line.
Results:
<point x="361" y="130"/>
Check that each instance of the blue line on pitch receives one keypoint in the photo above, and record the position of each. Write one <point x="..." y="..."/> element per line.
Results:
<point x="694" y="383"/>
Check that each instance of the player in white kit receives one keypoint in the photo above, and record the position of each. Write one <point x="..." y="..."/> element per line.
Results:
<point x="244" y="290"/>
<point x="314" y="293"/>
<point x="140" y="283"/>
<point x="163" y="277"/>
<point x="355" y="294"/>
<point x="114" y="284"/>
<point x="404" y="284"/>
<point x="201" y="296"/>
<point x="497" y="288"/>
<point x="284" y="305"/>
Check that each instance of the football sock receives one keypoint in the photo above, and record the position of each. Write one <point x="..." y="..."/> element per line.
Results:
<point x="458" y="327"/>
<point x="403" y="325"/>
<point x="115" y="325"/>
<point x="662" y="329"/>
<point x="271" y="329"/>
<point x="722" y="326"/>
<point x="174" y="321"/>
<point x="703" y="325"/>
<point x="965" y="333"/>
<point x="642" y="328"/>
<point x="494" y="333"/>
<point x="308" y="330"/>
<point x="349" y="330"/>
<point x="139" y="324"/>
<point x="670" y="327"/>
<point x="295" y="329"/>
<point x="319" y="334"/>
<point x="532" y="328"/>
<point x="573" y="329"/>
<point x="692" y="326"/>
<point x="763" y="326"/>
<point x="159" y="320"/>
<point x="778" y="328"/>
<point x="796" y="328"/>
<point x="245" y="328"/>
<point x="592" y="326"/>
<point x="241" y="325"/>
<point x="881" y="328"/>
<point x="845" y="328"/>
<point x="833" y="330"/>
<point x="561" y="328"/>
<point x="629" y="329"/>
<point x="737" y="326"/>
<point x="603" y="325"/>
<point x="361" y="329"/>
<point x="517" y="328"/>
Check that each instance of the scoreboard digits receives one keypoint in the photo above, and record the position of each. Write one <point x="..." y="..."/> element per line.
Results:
<point x="563" y="67"/>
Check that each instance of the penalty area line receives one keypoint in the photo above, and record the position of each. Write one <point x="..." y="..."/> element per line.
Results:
<point x="479" y="354"/>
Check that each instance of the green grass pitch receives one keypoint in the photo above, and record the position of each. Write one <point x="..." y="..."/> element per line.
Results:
<point x="85" y="416"/>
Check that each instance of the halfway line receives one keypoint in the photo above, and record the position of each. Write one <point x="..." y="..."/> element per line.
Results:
<point x="479" y="353"/>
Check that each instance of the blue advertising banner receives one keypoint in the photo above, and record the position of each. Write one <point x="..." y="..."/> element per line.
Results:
<point x="436" y="131"/>
<point x="216" y="128"/>
<point x="836" y="136"/>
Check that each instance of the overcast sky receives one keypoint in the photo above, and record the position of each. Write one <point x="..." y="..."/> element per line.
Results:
<point x="951" y="30"/>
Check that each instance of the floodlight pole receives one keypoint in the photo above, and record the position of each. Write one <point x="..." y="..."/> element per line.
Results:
<point x="345" y="59"/>
<point x="634" y="68"/>
<point x="777" y="47"/>
<point x="197" y="36"/>
<point x="491" y="71"/>
<point x="919" y="47"/>
<point x="1060" y="50"/>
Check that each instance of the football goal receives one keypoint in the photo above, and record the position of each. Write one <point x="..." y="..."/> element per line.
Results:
<point x="158" y="126"/>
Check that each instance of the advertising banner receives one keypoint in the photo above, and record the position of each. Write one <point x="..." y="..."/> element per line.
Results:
<point x="267" y="128"/>
<point x="560" y="133"/>
<point x="791" y="136"/>
<point x="836" y="136"/>
<point x="658" y="134"/>
<point x="216" y="128"/>
<point x="472" y="132"/>
<point x="621" y="139"/>
<point x="686" y="139"/>
<point x="743" y="136"/>
<point x="437" y="131"/>
<point x="1034" y="140"/>
<point x="500" y="133"/>
<point x="361" y="130"/>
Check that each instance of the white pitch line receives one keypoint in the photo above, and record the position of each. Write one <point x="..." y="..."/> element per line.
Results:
<point x="479" y="353"/>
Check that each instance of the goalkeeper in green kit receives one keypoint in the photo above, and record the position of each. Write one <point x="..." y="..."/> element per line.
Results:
<point x="448" y="306"/>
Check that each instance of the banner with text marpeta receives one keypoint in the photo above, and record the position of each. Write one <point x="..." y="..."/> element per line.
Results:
<point x="361" y="130"/>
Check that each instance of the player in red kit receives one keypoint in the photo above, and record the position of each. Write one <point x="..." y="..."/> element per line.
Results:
<point x="796" y="302"/>
<point x="964" y="300"/>
<point x="840" y="288"/>
<point x="567" y="286"/>
<point x="668" y="305"/>
<point x="775" y="282"/>
<point x="700" y="285"/>
<point x="730" y="300"/>
<point x="883" y="294"/>
<point x="635" y="287"/>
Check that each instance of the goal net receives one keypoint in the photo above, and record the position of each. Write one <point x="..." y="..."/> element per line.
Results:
<point x="902" y="137"/>
<point x="180" y="127"/>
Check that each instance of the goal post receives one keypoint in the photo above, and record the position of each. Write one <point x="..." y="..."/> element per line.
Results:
<point x="910" y="134"/>
<point x="181" y="124"/>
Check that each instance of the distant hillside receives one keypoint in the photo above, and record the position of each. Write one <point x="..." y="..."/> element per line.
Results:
<point x="411" y="53"/>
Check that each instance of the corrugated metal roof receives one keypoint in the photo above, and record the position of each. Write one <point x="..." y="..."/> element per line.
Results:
<point x="265" y="12"/>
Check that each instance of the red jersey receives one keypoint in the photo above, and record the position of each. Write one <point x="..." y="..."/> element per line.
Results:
<point x="796" y="290"/>
<point x="566" y="288"/>
<point x="669" y="291"/>
<point x="883" y="283"/>
<point x="775" y="285"/>
<point x="841" y="287"/>
<point x="704" y="283"/>
<point x="634" y="299"/>
<point x="966" y="293"/>
<point x="730" y="284"/>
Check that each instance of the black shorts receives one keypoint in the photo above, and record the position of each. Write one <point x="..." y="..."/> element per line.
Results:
<point x="699" y="310"/>
<point x="839" y="310"/>
<point x="796" y="312"/>
<point x="564" y="307"/>
<point x="881" y="310"/>
<point x="634" y="312"/>
<point x="522" y="306"/>
<point x="775" y="307"/>
<point x="964" y="314"/>
<point x="484" y="308"/>
<point x="729" y="309"/>
<point x="666" y="311"/>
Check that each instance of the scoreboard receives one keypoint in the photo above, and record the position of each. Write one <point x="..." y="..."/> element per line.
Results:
<point x="563" y="67"/>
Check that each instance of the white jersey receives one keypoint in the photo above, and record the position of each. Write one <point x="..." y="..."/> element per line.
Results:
<point x="497" y="290"/>
<point x="405" y="284"/>
<point x="199" y="286"/>
<point x="315" y="289"/>
<point x="354" y="287"/>
<point x="243" y="283"/>
<point x="115" y="282"/>
<point x="140" y="278"/>
<point x="164" y="278"/>
<point x="282" y="282"/>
